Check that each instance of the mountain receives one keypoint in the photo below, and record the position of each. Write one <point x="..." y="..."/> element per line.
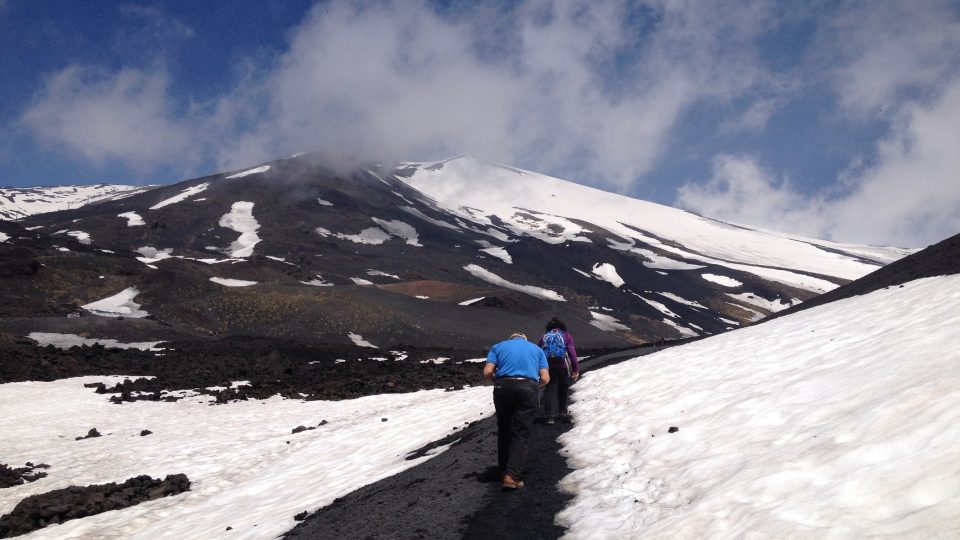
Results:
<point x="16" y="203"/>
<point x="837" y="421"/>
<point x="457" y="253"/>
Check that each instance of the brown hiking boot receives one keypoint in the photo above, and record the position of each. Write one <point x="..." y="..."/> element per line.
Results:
<point x="509" y="482"/>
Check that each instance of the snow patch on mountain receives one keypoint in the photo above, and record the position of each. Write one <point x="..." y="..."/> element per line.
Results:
<point x="684" y="331"/>
<point x="372" y="272"/>
<point x="318" y="281"/>
<point x="607" y="272"/>
<point x="605" y="322"/>
<point x="120" y="304"/>
<point x="653" y="260"/>
<point x="772" y="306"/>
<point x="133" y="219"/>
<point x="400" y="229"/>
<point x="753" y="315"/>
<point x="82" y="237"/>
<point x="490" y="277"/>
<point x="323" y="202"/>
<point x="721" y="280"/>
<point x="415" y="212"/>
<point x="182" y="196"/>
<point x="152" y="254"/>
<point x="582" y="273"/>
<point x="240" y="219"/>
<point x="4" y="237"/>
<point x="499" y="253"/>
<point x="229" y="282"/>
<point x="358" y="340"/>
<point x="681" y="300"/>
<point x="771" y="436"/>
<point x="658" y="306"/>
<point x="66" y="341"/>
<point x="17" y="203"/>
<point x="248" y="172"/>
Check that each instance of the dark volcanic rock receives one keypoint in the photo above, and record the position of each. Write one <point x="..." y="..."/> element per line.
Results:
<point x="90" y="434"/>
<point x="10" y="476"/>
<point x="38" y="511"/>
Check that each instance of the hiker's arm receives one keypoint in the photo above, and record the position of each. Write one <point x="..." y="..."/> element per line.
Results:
<point x="572" y="352"/>
<point x="544" y="377"/>
<point x="489" y="370"/>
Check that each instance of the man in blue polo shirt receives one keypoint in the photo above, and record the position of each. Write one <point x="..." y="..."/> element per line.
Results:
<point x="517" y="368"/>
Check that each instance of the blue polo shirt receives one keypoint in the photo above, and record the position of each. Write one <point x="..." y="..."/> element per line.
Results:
<point x="517" y="357"/>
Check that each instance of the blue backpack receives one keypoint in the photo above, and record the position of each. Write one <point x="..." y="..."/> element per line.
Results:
<point x="553" y="345"/>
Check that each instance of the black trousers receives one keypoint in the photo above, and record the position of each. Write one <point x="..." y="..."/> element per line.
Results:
<point x="516" y="403"/>
<point x="556" y="392"/>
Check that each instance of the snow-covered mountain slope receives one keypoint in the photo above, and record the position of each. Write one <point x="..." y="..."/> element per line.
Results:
<point x="17" y="203"/>
<point x="456" y="253"/>
<point x="836" y="422"/>
<point x="558" y="211"/>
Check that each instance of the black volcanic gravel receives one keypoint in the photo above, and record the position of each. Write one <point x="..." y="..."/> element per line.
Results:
<point x="38" y="511"/>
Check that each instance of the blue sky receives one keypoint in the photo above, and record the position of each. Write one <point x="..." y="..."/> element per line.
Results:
<point x="838" y="120"/>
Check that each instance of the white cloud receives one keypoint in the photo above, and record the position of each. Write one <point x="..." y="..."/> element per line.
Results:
<point x="878" y="52"/>
<point x="396" y="80"/>
<point x="124" y="116"/>
<point x="910" y="197"/>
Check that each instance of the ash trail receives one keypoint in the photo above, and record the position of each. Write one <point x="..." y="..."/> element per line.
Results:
<point x="457" y="494"/>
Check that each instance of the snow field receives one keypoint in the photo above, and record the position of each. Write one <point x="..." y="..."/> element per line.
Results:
<point x="244" y="473"/>
<point x="16" y="203"/>
<point x="836" y="422"/>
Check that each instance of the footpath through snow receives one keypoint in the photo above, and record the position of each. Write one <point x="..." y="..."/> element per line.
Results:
<point x="838" y="422"/>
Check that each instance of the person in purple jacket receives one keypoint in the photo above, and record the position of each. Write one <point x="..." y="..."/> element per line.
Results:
<point x="558" y="346"/>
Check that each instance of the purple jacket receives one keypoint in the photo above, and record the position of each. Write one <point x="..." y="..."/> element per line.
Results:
<point x="571" y="352"/>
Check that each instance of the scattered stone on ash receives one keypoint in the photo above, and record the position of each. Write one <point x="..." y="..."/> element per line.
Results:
<point x="145" y="432"/>
<point x="90" y="434"/>
<point x="301" y="516"/>
<point x="673" y="429"/>
<point x="38" y="511"/>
